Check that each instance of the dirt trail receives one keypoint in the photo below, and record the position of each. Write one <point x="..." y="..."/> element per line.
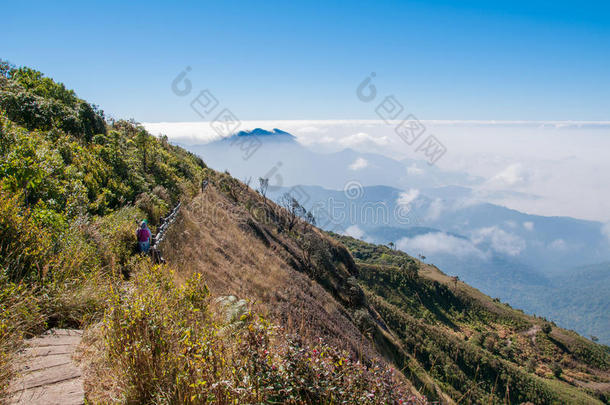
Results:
<point x="46" y="372"/>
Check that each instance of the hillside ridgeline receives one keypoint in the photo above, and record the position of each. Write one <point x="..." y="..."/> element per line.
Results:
<point x="255" y="304"/>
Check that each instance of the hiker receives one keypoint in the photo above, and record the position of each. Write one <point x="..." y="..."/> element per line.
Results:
<point x="143" y="235"/>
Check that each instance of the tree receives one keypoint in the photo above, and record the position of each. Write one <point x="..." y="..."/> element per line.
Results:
<point x="531" y="366"/>
<point x="295" y="210"/>
<point x="91" y="120"/>
<point x="23" y="170"/>
<point x="547" y="328"/>
<point x="556" y="368"/>
<point x="391" y="245"/>
<point x="263" y="185"/>
<point x="312" y="220"/>
<point x="5" y="68"/>
<point x="142" y="140"/>
<point x="412" y="270"/>
<point x="455" y="280"/>
<point x="34" y="81"/>
<point x="308" y="244"/>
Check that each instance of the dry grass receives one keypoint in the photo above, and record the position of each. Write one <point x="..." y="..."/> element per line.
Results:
<point x="20" y="317"/>
<point x="71" y="289"/>
<point x="161" y="343"/>
<point x="140" y="353"/>
<point x="210" y="238"/>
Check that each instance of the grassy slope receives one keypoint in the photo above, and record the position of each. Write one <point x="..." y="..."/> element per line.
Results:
<point x="215" y="237"/>
<point x="242" y="246"/>
<point x="72" y="187"/>
<point x="474" y="329"/>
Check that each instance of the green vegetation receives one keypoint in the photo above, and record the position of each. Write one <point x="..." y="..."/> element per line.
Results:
<point x="72" y="188"/>
<point x="585" y="289"/>
<point x="473" y="347"/>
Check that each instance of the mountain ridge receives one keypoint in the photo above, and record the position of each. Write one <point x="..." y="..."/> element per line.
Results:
<point x="499" y="274"/>
<point x="255" y="304"/>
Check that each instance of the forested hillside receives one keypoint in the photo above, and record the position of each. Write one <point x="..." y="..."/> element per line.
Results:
<point x="255" y="304"/>
<point x="473" y="345"/>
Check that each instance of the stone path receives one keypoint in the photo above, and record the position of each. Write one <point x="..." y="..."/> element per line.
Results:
<point x="46" y="372"/>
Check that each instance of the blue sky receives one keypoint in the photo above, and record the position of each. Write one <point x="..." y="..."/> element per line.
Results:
<point x="504" y="60"/>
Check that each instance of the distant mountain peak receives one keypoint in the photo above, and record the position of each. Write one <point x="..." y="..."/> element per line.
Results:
<point x="275" y="132"/>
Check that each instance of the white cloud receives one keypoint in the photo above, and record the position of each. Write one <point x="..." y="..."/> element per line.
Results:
<point x="435" y="209"/>
<point x="414" y="170"/>
<point x="548" y="157"/>
<point x="514" y="175"/>
<point x="439" y="243"/>
<point x="407" y="197"/>
<point x="499" y="240"/>
<point x="558" y="244"/>
<point x="355" y="232"/>
<point x="310" y="130"/>
<point x="528" y="225"/>
<point x="359" y="164"/>
<point x="324" y="139"/>
<point x="363" y="138"/>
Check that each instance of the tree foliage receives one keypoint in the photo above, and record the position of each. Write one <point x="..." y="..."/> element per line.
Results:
<point x="60" y="161"/>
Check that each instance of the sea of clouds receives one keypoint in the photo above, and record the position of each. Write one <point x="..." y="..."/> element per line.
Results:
<point x="563" y="164"/>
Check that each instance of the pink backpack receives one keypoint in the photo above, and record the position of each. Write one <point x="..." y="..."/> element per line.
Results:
<point x="143" y="235"/>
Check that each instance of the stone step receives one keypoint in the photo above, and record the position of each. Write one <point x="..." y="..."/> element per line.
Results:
<point x="46" y="372"/>
<point x="69" y="392"/>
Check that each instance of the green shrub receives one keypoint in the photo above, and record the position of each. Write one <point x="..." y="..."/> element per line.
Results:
<point x="556" y="369"/>
<point x="24" y="246"/>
